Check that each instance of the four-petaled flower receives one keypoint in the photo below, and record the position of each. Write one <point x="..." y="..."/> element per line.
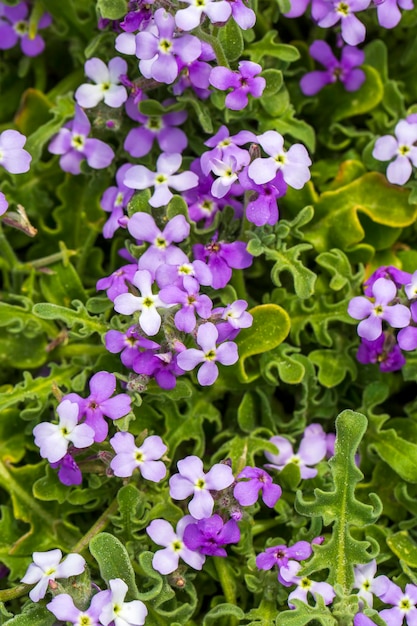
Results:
<point x="145" y="457"/>
<point x="46" y="566"/>
<point x="166" y="561"/>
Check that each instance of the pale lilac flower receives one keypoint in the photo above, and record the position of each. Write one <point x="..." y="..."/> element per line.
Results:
<point x="191" y="480"/>
<point x="195" y="74"/>
<point x="242" y="82"/>
<point x="280" y="556"/>
<point x="367" y="584"/>
<point x="223" y="145"/>
<point x="100" y="404"/>
<point x="4" y="205"/>
<point x="226" y="353"/>
<point x="311" y="451"/>
<point x="210" y="534"/>
<point x="114" y="200"/>
<point x="227" y="172"/>
<point x="305" y="586"/>
<point x="407" y="337"/>
<point x="64" y="609"/>
<point x="174" y="274"/>
<point x="107" y="83"/>
<point x="145" y="457"/>
<point x="189" y="18"/>
<point x="388" y="12"/>
<point x="373" y="313"/>
<point x="122" y="613"/>
<point x="363" y="620"/>
<point x="246" y="491"/>
<point x="12" y="156"/>
<point x="293" y="163"/>
<point x="345" y="70"/>
<point x="191" y="302"/>
<point x="46" y="566"/>
<point x="352" y="29"/>
<point x="399" y="277"/>
<point x="140" y="177"/>
<point x="14" y="27"/>
<point x="54" y="439"/>
<point x="166" y="561"/>
<point x="73" y="144"/>
<point x="402" y="148"/>
<point x="403" y="604"/>
<point x="171" y="140"/>
<point x="147" y="303"/>
<point x="242" y="14"/>
<point x="235" y="316"/>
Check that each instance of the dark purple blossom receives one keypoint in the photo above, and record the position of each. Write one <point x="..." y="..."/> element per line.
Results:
<point x="14" y="27"/>
<point x="73" y="144"/>
<point x="68" y="471"/>
<point x="385" y="351"/>
<point x="246" y="491"/>
<point x="221" y="257"/>
<point x="209" y="535"/>
<point x="262" y="207"/>
<point x="195" y="74"/>
<point x="345" y="70"/>
<point x="128" y="344"/>
<point x="242" y="82"/>
<point x="191" y="302"/>
<point x="280" y="556"/>
<point x="373" y="313"/>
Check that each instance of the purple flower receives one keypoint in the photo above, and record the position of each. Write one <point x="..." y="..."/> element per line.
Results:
<point x="345" y="70"/>
<point x="312" y="449"/>
<point x="223" y="145"/>
<point x="68" y="471"/>
<point x="4" y="205"/>
<point x="293" y="163"/>
<point x="402" y="148"/>
<point x="107" y="86"/>
<point x="235" y="316"/>
<point x="243" y="15"/>
<point x="139" y="141"/>
<point x="189" y="18"/>
<point x="46" y="566"/>
<point x="372" y="313"/>
<point x="116" y="282"/>
<point x="73" y="144"/>
<point x="226" y="354"/>
<point x="122" y="613"/>
<point x="221" y="258"/>
<point x="147" y="303"/>
<point x="140" y="177"/>
<point x="159" y="48"/>
<point x="403" y="604"/>
<point x="191" y="480"/>
<point x="191" y="302"/>
<point x="367" y="584"/>
<point x="384" y="350"/>
<point x="208" y="535"/>
<point x="362" y="620"/>
<point x="14" y="26"/>
<point x="242" y="82"/>
<point x="174" y="274"/>
<point x="262" y="207"/>
<point x="100" y="404"/>
<point x="12" y="156"/>
<point x="63" y="607"/>
<point x="386" y="271"/>
<point x="53" y="439"/>
<point x="280" y="556"/>
<point x="388" y="12"/>
<point x="353" y="31"/>
<point x="128" y="344"/>
<point x="129" y="456"/>
<point x="246" y="492"/>
<point x="305" y="586"/>
<point x="166" y="561"/>
<point x="114" y="200"/>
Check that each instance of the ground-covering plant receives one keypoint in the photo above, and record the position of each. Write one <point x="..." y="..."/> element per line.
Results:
<point x="208" y="312"/>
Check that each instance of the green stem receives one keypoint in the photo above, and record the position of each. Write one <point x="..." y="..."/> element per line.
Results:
<point x="16" y="592"/>
<point x="6" y="251"/>
<point x="238" y="282"/>
<point x="97" y="527"/>
<point x="216" y="45"/>
<point x="227" y="583"/>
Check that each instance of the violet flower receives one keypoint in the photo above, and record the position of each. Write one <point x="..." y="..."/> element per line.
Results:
<point x="146" y="457"/>
<point x="352" y="30"/>
<point x="100" y="404"/>
<point x="114" y="200"/>
<point x="140" y="177"/>
<point x="128" y="344"/>
<point x="210" y="534"/>
<point x="64" y="609"/>
<point x="191" y="302"/>
<point x="221" y="257"/>
<point x="15" y="27"/>
<point x="191" y="480"/>
<point x="223" y="145"/>
<point x="373" y="313"/>
<point x="68" y="471"/>
<point x="171" y="140"/>
<point x="280" y="556"/>
<point x="107" y="84"/>
<point x="399" y="277"/>
<point x="116" y="284"/>
<point x="4" y="205"/>
<point x="46" y="566"/>
<point x="311" y="451"/>
<point x="166" y="561"/>
<point x="262" y="207"/>
<point x="305" y="586"/>
<point x="385" y="351"/>
<point x="119" y="612"/>
<point x="242" y="82"/>
<point x="226" y="353"/>
<point x="189" y="18"/>
<point x="54" y="439"/>
<point x="73" y="144"/>
<point x="246" y="492"/>
<point x="403" y="604"/>
<point x="402" y="148"/>
<point x="367" y="584"/>
<point x="293" y="163"/>
<point x="13" y="157"/>
<point x="388" y="12"/>
<point x="242" y="14"/>
<point x="345" y="70"/>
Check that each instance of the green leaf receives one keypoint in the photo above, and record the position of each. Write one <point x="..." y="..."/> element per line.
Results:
<point x="333" y="366"/>
<point x="223" y="610"/>
<point x="340" y="507"/>
<point x="231" y="39"/>
<point x="62" y="285"/>
<point x="274" y="81"/>
<point x="35" y="616"/>
<point x="403" y="547"/>
<point x="112" y="9"/>
<point x="347" y="104"/>
<point x="79" y="320"/>
<point x="288" y="260"/>
<point x="267" y="46"/>
<point x="246" y="413"/>
<point x="305" y="614"/>
<point x="270" y="326"/>
<point x="113" y="561"/>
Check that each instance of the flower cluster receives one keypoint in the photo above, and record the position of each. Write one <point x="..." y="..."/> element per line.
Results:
<point x="389" y="304"/>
